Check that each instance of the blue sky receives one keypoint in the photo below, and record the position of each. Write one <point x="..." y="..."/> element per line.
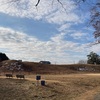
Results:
<point x="47" y="32"/>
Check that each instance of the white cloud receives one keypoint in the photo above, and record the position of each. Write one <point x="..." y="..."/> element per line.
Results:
<point x="79" y="35"/>
<point x="59" y="18"/>
<point x="64" y="27"/>
<point x="58" y="37"/>
<point x="96" y="48"/>
<point x="21" y="46"/>
<point x="51" y="13"/>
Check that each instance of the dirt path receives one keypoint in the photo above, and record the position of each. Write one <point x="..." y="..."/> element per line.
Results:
<point x="92" y="74"/>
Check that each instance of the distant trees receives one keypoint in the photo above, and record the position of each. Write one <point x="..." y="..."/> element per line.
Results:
<point x="93" y="58"/>
<point x="82" y="62"/>
<point x="3" y="57"/>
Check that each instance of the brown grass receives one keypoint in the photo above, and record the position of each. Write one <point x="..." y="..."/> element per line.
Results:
<point x="58" y="87"/>
<point x="63" y="82"/>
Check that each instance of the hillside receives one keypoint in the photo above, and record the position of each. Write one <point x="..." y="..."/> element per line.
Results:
<point x="38" y="68"/>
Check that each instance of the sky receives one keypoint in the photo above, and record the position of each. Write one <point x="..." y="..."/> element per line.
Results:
<point x="50" y="31"/>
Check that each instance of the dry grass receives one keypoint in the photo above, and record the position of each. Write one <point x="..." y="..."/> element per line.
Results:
<point x="58" y="87"/>
<point x="37" y="68"/>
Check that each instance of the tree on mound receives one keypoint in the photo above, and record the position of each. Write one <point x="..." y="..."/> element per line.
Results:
<point x="93" y="58"/>
<point x="3" y="57"/>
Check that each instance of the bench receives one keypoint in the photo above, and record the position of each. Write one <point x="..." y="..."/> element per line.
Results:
<point x="9" y="75"/>
<point x="20" y="76"/>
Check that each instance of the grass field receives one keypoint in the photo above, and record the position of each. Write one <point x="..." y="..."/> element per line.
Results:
<point x="58" y="87"/>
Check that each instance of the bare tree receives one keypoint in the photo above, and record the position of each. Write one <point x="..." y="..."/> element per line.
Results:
<point x="82" y="62"/>
<point x="95" y="20"/>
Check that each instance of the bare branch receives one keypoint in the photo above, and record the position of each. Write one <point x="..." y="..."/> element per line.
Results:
<point x="62" y="4"/>
<point x="37" y="3"/>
